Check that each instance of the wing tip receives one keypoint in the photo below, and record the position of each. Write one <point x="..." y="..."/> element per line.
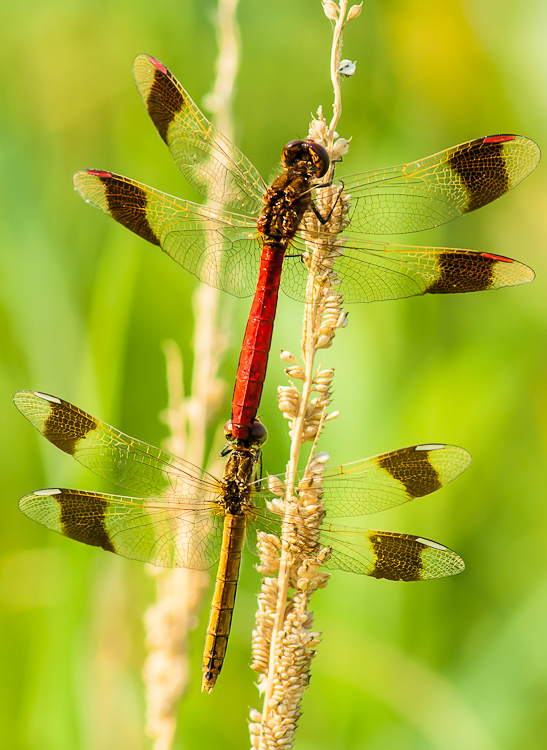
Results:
<point x="98" y="173"/>
<point x="22" y="394"/>
<point x="83" y="174"/>
<point x="460" y="460"/>
<point x="146" y="59"/>
<point x="21" y="399"/>
<point x="508" y="272"/>
<point x="27" y="501"/>
<point x="47" y="397"/>
<point x="438" y="560"/>
<point x="141" y="56"/>
<point x="84" y="185"/>
<point x="18" y="395"/>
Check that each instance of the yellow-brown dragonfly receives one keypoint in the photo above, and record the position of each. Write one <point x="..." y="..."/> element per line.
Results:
<point x="189" y="518"/>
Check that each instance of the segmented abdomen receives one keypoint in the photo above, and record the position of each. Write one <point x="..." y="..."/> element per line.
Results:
<point x="222" y="606"/>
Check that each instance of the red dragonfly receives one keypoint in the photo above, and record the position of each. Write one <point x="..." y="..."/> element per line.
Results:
<point x="189" y="518"/>
<point x="240" y="244"/>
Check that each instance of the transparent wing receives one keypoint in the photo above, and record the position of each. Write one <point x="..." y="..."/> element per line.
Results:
<point x="114" y="456"/>
<point x="386" y="554"/>
<point x="425" y="193"/>
<point x="172" y="533"/>
<point x="373" y="271"/>
<point x="380" y="554"/>
<point x="220" y="248"/>
<point x="369" y="486"/>
<point x="210" y="163"/>
<point x="382" y="482"/>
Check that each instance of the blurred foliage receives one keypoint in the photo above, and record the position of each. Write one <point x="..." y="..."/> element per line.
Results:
<point x="84" y="306"/>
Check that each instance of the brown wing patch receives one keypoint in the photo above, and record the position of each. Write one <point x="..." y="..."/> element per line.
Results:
<point x="482" y="169"/>
<point x="65" y="426"/>
<point x="84" y="523"/>
<point x="461" y="272"/>
<point x="165" y="99"/>
<point x="396" y="559"/>
<point x="127" y="204"/>
<point x="414" y="470"/>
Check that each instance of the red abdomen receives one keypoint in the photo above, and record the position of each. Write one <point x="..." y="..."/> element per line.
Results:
<point x="253" y="359"/>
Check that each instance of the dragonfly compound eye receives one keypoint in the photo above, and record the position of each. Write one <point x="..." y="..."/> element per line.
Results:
<point x="258" y="433"/>
<point x="228" y="430"/>
<point x="293" y="152"/>
<point x="320" y="157"/>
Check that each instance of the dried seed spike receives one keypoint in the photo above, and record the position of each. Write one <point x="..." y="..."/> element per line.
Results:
<point x="341" y="147"/>
<point x="321" y="458"/>
<point x="291" y="636"/>
<point x="324" y="381"/>
<point x="328" y="373"/>
<point x="318" y="130"/>
<point x="342" y="320"/>
<point x="288" y="406"/>
<point x="288" y="392"/>
<point x="330" y="9"/>
<point x="321" y="388"/>
<point x="354" y="11"/>
<point x="276" y="486"/>
<point x="323" y="342"/>
<point x="286" y="356"/>
<point x="295" y="372"/>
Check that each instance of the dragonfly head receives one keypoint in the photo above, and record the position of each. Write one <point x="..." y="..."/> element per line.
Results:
<point x="258" y="435"/>
<point x="308" y="154"/>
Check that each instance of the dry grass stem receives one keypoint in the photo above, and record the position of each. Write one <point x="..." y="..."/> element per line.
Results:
<point x="169" y="621"/>
<point x="283" y="641"/>
<point x="179" y="592"/>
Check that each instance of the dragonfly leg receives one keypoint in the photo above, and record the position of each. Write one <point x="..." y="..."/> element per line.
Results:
<point x="321" y="219"/>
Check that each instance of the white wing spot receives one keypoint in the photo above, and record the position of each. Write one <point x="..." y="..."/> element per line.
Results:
<point x="47" y="492"/>
<point x="430" y="447"/>
<point x="429" y="543"/>
<point x="45" y="396"/>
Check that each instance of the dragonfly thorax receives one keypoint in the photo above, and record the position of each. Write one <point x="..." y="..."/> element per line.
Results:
<point x="288" y="198"/>
<point x="238" y="475"/>
<point x="285" y="203"/>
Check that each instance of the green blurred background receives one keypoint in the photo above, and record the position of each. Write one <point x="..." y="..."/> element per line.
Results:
<point x="85" y="305"/>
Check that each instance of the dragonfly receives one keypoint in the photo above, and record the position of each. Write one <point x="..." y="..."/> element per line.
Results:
<point x="189" y="518"/>
<point x="252" y="239"/>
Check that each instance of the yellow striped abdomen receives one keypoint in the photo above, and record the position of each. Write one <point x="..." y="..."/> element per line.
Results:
<point x="222" y="606"/>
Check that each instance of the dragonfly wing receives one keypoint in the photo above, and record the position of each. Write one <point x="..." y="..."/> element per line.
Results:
<point x="429" y="192"/>
<point x="381" y="554"/>
<point x="369" y="271"/>
<point x="209" y="161"/>
<point x="373" y="271"/>
<point x="219" y="248"/>
<point x="385" y="554"/>
<point x="111" y="454"/>
<point x="169" y="533"/>
<point x="385" y="481"/>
